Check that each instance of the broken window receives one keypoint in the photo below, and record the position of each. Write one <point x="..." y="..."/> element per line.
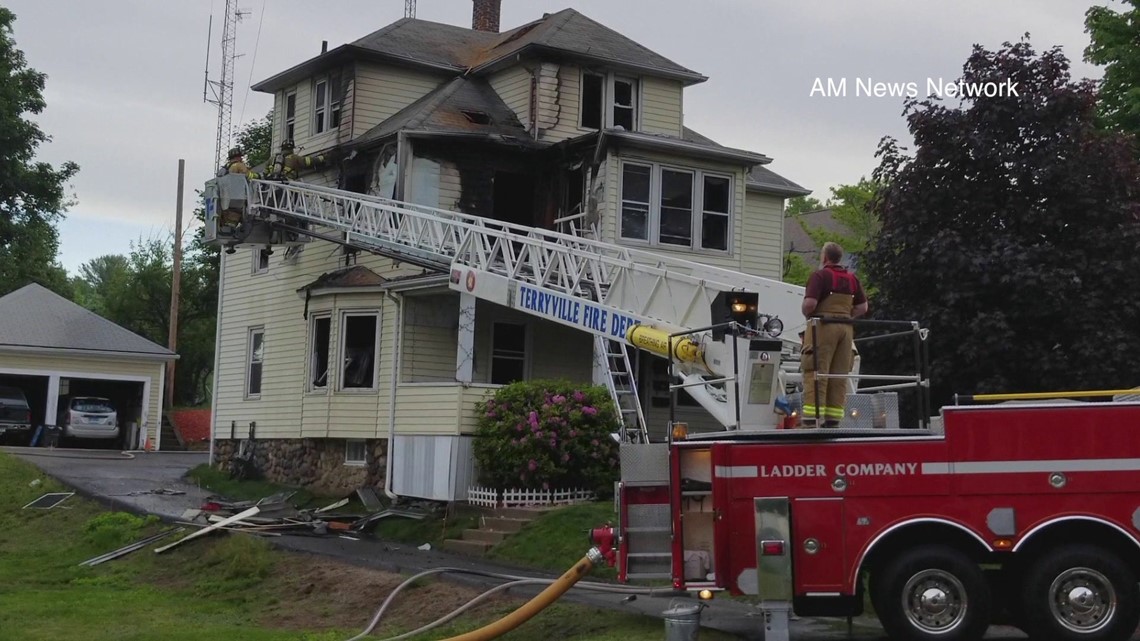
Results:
<point x="575" y="192"/>
<point x="290" y="114"/>
<point x="327" y="94"/>
<point x="355" y="452"/>
<point x="319" y="353"/>
<point x="359" y="347"/>
<point x="476" y="117"/>
<point x="624" y="103"/>
<point x="714" y="212"/>
<point x="676" y="208"/>
<point x="508" y="353"/>
<point x="255" y="360"/>
<point x="635" y="201"/>
<point x="593" y="95"/>
<point x="261" y="260"/>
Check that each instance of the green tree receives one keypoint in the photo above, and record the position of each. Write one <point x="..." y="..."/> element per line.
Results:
<point x="1012" y="232"/>
<point x="1113" y="44"/>
<point x="32" y="193"/>
<point x="256" y="140"/>
<point x="857" y="227"/>
<point x="802" y="205"/>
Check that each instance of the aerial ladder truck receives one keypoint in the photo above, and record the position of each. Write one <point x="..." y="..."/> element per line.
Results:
<point x="1027" y="510"/>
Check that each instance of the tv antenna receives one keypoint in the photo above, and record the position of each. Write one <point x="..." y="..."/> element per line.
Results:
<point x="409" y="8"/>
<point x="221" y="92"/>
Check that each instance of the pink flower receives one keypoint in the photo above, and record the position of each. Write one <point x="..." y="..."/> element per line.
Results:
<point x="559" y="399"/>
<point x="546" y="406"/>
<point x="589" y="410"/>
<point x="533" y="419"/>
<point x="538" y="434"/>
<point x="579" y="396"/>
<point x="519" y="427"/>
<point x="532" y="466"/>
<point x="565" y="458"/>
<point x="573" y="433"/>
<point x="491" y="414"/>
<point x="545" y="485"/>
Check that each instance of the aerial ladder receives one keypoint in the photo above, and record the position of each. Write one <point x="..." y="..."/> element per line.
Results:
<point x="627" y="298"/>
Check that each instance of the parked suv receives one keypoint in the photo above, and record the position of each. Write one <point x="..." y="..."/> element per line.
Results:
<point x="89" y="417"/>
<point x="15" y="415"/>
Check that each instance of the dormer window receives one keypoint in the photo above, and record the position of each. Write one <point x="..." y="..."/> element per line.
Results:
<point x="608" y="101"/>
<point x="326" y="103"/>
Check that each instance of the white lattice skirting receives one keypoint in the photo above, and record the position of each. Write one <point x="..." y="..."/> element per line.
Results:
<point x="488" y="497"/>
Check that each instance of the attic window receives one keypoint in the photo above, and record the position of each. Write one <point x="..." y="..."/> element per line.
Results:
<point x="477" y="117"/>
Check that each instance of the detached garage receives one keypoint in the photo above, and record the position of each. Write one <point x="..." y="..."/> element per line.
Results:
<point x="62" y="356"/>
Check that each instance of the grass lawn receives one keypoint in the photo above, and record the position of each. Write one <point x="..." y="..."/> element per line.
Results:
<point x="558" y="538"/>
<point x="221" y="587"/>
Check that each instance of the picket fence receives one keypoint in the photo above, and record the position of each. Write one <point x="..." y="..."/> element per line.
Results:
<point x="513" y="497"/>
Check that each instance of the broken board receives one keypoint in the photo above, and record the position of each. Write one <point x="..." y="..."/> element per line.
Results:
<point x="49" y="500"/>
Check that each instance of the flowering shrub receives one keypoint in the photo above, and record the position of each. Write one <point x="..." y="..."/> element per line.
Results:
<point x="548" y="435"/>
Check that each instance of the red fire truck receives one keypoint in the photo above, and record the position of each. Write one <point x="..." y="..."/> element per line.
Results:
<point x="1019" y="507"/>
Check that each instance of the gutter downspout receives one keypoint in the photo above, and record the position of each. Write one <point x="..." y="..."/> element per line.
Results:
<point x="217" y="353"/>
<point x="397" y="344"/>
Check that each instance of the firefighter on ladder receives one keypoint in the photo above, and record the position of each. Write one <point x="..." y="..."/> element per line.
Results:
<point x="828" y="348"/>
<point x="288" y="164"/>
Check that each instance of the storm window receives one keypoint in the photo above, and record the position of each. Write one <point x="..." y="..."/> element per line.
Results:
<point x="319" y="353"/>
<point x="359" y="351"/>
<point x="326" y="103"/>
<point x="290" y="114"/>
<point x="608" y="101"/>
<point x="675" y="207"/>
<point x="255" y="359"/>
<point x="714" y="215"/>
<point x="676" y="226"/>
<point x="355" y="452"/>
<point x="635" y="204"/>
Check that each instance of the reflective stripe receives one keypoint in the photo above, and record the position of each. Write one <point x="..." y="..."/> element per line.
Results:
<point x="737" y="471"/>
<point x="1022" y="467"/>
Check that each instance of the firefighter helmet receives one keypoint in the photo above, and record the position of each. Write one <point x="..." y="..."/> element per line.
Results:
<point x="235" y="152"/>
<point x="287" y="145"/>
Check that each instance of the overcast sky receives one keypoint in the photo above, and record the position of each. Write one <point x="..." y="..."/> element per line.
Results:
<point x="125" y="79"/>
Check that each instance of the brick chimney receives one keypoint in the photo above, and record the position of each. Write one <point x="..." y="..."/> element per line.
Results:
<point x="485" y="15"/>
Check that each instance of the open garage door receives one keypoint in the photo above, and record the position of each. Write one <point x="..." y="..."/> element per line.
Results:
<point x="35" y="389"/>
<point x="84" y="407"/>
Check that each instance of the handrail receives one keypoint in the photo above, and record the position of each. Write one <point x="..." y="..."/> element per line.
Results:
<point x="1036" y="396"/>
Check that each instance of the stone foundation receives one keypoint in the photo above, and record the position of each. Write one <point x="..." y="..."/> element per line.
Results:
<point x="316" y="464"/>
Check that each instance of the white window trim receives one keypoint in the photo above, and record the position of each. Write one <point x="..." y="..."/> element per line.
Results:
<point x="326" y="118"/>
<point x="309" y="363"/>
<point x="698" y="207"/>
<point x="608" y="98"/>
<point x="255" y="266"/>
<point x="355" y="462"/>
<point x="340" y="351"/>
<point x="528" y="350"/>
<point x="259" y="329"/>
<point x="285" y="119"/>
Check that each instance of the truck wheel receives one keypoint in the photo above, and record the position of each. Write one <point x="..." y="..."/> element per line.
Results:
<point x="1083" y="593"/>
<point x="932" y="592"/>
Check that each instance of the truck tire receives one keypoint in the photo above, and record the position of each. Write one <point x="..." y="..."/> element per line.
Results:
<point x="932" y="592"/>
<point x="1081" y="592"/>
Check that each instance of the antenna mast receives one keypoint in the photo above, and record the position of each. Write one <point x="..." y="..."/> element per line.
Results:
<point x="223" y="88"/>
<point x="409" y="8"/>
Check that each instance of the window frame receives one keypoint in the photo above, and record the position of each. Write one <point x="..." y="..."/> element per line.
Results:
<point x="354" y="462"/>
<point x="332" y="102"/>
<point x="289" y="121"/>
<point x="342" y="332"/>
<point x="311" y="363"/>
<point x="526" y="354"/>
<point x="249" y="363"/>
<point x="609" y="78"/>
<point x="698" y="207"/>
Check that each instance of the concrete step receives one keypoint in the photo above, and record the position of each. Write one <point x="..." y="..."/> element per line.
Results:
<point x="487" y="536"/>
<point x="502" y="525"/>
<point x="474" y="548"/>
<point x="520" y="513"/>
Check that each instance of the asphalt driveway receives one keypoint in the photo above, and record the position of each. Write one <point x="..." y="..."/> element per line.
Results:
<point x="142" y="481"/>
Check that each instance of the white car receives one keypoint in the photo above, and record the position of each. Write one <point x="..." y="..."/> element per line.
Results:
<point x="90" y="417"/>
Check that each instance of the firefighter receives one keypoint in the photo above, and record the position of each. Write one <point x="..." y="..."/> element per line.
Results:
<point x="288" y="164"/>
<point x="832" y="293"/>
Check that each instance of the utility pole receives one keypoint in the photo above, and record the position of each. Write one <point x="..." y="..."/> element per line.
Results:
<point x="176" y="285"/>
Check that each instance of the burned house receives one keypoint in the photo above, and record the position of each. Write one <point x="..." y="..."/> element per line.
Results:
<point x="357" y="368"/>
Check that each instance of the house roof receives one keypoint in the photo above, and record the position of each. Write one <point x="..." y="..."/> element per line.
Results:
<point x="452" y="49"/>
<point x="765" y="180"/>
<point x="462" y="106"/>
<point x="345" y="278"/>
<point x="36" y="318"/>
<point x="570" y="32"/>
<point x="796" y="238"/>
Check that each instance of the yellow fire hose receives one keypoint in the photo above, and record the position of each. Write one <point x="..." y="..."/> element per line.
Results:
<point x="535" y="605"/>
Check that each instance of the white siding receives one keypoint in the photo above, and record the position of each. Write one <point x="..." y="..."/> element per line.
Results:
<point x="383" y="90"/>
<point x="762" y="237"/>
<point x="661" y="106"/>
<point x="554" y="351"/>
<point x="450" y="185"/>
<point x="429" y="341"/>
<point x="513" y="86"/>
<point x="567" y="107"/>
<point x="152" y="370"/>
<point x="610" y="208"/>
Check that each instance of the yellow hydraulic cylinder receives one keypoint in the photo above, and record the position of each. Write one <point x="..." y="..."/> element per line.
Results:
<point x="657" y="341"/>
